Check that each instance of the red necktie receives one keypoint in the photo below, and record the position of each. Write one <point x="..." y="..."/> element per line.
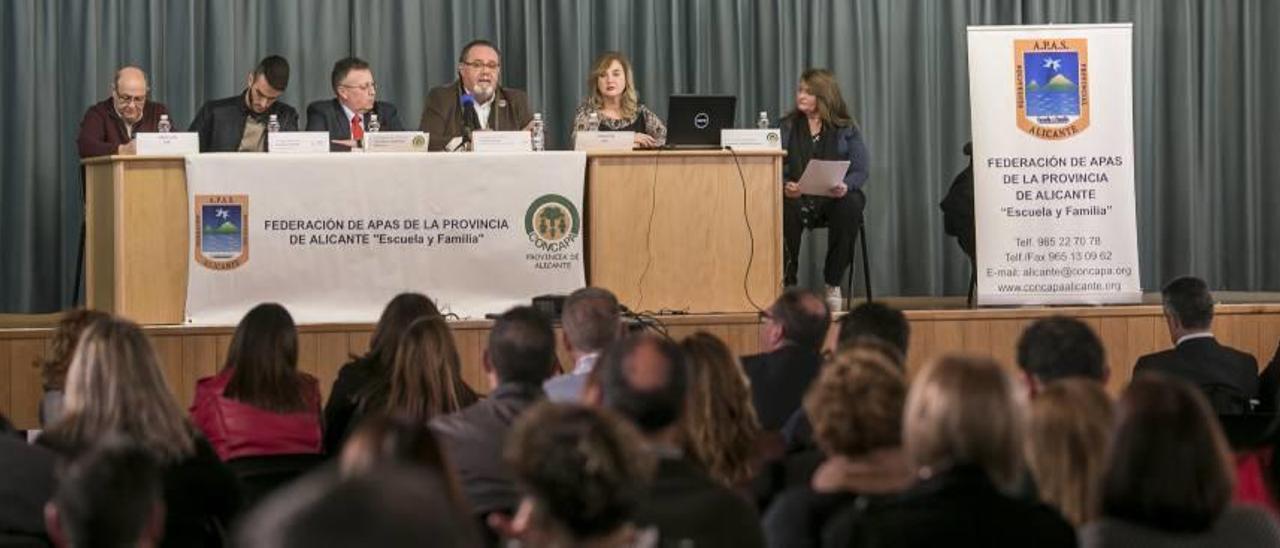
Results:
<point x="357" y="131"/>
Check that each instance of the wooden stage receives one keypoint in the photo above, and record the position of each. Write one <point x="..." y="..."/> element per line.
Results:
<point x="189" y="353"/>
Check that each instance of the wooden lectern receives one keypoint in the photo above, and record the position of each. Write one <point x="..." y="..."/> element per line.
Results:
<point x="136" y="237"/>
<point x="690" y="231"/>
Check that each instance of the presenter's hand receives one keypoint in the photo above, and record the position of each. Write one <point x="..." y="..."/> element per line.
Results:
<point x="643" y="140"/>
<point x="346" y="143"/>
<point x="128" y="149"/>
<point x="839" y="190"/>
<point x="791" y="189"/>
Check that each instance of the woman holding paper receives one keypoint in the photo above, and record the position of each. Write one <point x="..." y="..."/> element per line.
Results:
<point x="615" y="104"/>
<point x="820" y="128"/>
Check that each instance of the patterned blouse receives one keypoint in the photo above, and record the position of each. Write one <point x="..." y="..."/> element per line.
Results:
<point x="644" y="121"/>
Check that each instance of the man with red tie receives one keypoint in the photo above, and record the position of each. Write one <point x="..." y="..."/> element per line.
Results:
<point x="108" y="127"/>
<point x="347" y="116"/>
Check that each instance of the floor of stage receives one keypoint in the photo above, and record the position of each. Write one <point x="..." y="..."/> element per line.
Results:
<point x="1248" y="321"/>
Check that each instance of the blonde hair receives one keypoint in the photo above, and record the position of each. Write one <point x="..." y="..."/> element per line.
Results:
<point x="720" y="418"/>
<point x="1066" y="446"/>
<point x="856" y="403"/>
<point x="966" y="410"/>
<point x="630" y="97"/>
<point x="115" y="385"/>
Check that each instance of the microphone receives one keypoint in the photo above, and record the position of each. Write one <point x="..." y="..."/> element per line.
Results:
<point x="470" y="119"/>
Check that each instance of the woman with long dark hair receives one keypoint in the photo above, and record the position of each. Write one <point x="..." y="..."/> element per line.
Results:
<point x="426" y="378"/>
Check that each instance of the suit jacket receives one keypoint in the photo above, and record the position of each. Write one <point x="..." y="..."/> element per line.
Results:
<point x="220" y="122"/>
<point x="340" y="410"/>
<point x="1269" y="385"/>
<point x="779" y="380"/>
<point x="328" y="116"/>
<point x="1209" y="365"/>
<point x="474" y="437"/>
<point x="849" y="146"/>
<point x="442" y="116"/>
<point x="26" y="483"/>
<point x="685" y="503"/>
<point x="102" y="131"/>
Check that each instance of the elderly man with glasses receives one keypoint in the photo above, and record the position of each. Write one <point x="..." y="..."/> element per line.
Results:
<point x="474" y="101"/>
<point x="108" y="127"/>
<point x="239" y="123"/>
<point x="347" y="116"/>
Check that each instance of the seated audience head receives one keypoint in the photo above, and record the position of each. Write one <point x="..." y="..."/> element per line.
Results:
<point x="965" y="410"/>
<point x="264" y="359"/>
<point x="591" y="320"/>
<point x="398" y="441"/>
<point x="1188" y="306"/>
<point x="611" y="80"/>
<point x="644" y="378"/>
<point x="479" y="66"/>
<point x="391" y="507"/>
<point x="875" y="320"/>
<point x="353" y="84"/>
<point x="111" y="495"/>
<point x="522" y="348"/>
<point x="798" y="317"/>
<point x="267" y="83"/>
<point x="584" y="473"/>
<point x="720" y="418"/>
<point x="856" y="403"/>
<point x="396" y="317"/>
<point x="1059" y="347"/>
<point x="1168" y="466"/>
<point x="426" y="380"/>
<point x="71" y="326"/>
<point x="129" y="93"/>
<point x="115" y="385"/>
<point x="1070" y="424"/>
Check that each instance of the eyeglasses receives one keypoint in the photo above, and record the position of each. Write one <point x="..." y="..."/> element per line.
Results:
<point x="126" y="99"/>
<point x="362" y="87"/>
<point x="481" y="65"/>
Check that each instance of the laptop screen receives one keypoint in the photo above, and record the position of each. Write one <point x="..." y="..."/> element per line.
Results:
<point x="695" y="121"/>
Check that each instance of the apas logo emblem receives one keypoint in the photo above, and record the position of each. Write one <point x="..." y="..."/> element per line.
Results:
<point x="221" y="230"/>
<point x="552" y="223"/>
<point x="1051" y="81"/>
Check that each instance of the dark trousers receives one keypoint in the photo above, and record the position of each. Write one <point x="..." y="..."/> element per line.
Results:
<point x="841" y="216"/>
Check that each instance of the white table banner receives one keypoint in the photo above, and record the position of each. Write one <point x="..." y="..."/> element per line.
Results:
<point x="333" y="237"/>
<point x="1052" y="110"/>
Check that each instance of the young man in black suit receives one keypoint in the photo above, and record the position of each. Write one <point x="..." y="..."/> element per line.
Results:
<point x="347" y="116"/>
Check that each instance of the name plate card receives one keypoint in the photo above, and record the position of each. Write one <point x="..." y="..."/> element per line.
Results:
<point x="396" y="141"/>
<point x="167" y="144"/>
<point x="604" y="140"/>
<point x="501" y="141"/>
<point x="295" y="142"/>
<point x="751" y="139"/>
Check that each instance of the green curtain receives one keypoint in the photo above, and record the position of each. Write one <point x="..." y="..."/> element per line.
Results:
<point x="1203" y="72"/>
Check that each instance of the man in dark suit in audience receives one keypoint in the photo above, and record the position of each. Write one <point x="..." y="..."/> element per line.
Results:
<point x="520" y="356"/>
<point x="795" y="328"/>
<point x="239" y="123"/>
<point x="1228" y="377"/>
<point x="346" y="117"/>
<point x="645" y="379"/>
<point x="110" y="496"/>
<point x="1059" y="347"/>
<point x="492" y="106"/>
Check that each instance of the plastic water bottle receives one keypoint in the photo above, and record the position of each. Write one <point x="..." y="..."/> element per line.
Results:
<point x="539" y="133"/>
<point x="763" y="121"/>
<point x="164" y="126"/>
<point x="593" y="121"/>
<point x="273" y="124"/>
<point x="374" y="126"/>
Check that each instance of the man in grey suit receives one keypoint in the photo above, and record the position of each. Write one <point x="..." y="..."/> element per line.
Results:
<point x="347" y="116"/>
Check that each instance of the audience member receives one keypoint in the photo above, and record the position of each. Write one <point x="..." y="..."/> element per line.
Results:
<point x="115" y="386"/>
<point x="374" y="366"/>
<point x="879" y="320"/>
<point x="1269" y="385"/>
<point x="645" y="379"/>
<point x="240" y="123"/>
<point x="110" y="496"/>
<point x="1228" y="377"/>
<point x="426" y="378"/>
<point x="584" y="474"/>
<point x="1168" y="478"/>
<point x="795" y="328"/>
<point x="53" y="371"/>
<point x="26" y="483"/>
<point x="856" y="408"/>
<point x="399" y="441"/>
<point x="720" y="421"/>
<point x="260" y="404"/>
<point x="963" y="431"/>
<point x="590" y="322"/>
<point x="1059" y="347"/>
<point x="520" y="356"/>
<point x="1066" y="445"/>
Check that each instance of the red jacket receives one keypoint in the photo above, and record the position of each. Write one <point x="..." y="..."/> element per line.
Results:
<point x="237" y="429"/>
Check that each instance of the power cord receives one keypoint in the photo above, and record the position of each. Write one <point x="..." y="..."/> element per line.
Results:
<point x="648" y="233"/>
<point x="751" y="236"/>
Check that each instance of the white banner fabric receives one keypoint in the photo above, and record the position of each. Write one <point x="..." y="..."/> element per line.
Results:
<point x="333" y="237"/>
<point x="1052" y="117"/>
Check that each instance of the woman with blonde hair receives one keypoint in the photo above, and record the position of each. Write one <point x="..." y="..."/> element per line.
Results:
<point x="613" y="103"/>
<point x="1066" y="446"/>
<point x="720" y="421"/>
<point x="426" y="376"/>
<point x="115" y="387"/>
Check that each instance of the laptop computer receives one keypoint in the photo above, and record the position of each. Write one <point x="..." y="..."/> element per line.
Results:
<point x="695" y="121"/>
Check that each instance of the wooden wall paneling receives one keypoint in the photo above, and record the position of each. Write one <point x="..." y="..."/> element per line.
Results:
<point x="948" y="337"/>
<point x="6" y="379"/>
<point x="308" y="350"/>
<point x="1004" y="341"/>
<point x="920" y="345"/>
<point x="181" y="383"/>
<point x="331" y="353"/>
<point x="26" y="386"/>
<point x="977" y="338"/>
